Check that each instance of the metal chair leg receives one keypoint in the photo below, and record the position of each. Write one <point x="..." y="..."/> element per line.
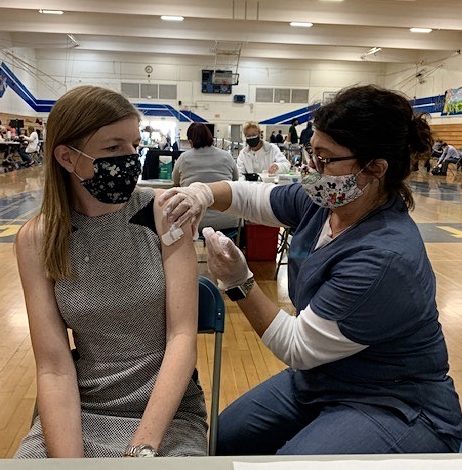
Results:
<point x="215" y="394"/>
<point x="283" y="250"/>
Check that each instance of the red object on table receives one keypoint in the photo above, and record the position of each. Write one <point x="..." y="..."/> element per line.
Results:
<point x="261" y="242"/>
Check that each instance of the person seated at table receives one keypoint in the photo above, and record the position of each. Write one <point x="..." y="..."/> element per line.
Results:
<point x="206" y="164"/>
<point x="259" y="156"/>
<point x="32" y="145"/>
<point x="93" y="261"/>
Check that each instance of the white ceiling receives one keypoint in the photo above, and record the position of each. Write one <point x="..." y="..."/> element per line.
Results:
<point x="342" y="30"/>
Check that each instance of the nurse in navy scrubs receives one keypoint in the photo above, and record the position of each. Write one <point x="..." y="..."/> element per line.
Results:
<point x="367" y="360"/>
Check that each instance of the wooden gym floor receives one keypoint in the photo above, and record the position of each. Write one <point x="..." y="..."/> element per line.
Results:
<point x="246" y="362"/>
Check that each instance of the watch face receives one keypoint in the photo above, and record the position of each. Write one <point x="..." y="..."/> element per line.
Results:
<point x="235" y="293"/>
<point x="146" y="452"/>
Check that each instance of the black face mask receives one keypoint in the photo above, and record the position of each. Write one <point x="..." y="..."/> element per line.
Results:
<point x="115" y="178"/>
<point x="253" y="142"/>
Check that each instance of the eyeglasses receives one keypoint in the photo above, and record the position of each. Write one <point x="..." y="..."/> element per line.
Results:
<point x="320" y="162"/>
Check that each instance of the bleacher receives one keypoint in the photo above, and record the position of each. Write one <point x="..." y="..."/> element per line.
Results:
<point x="450" y="133"/>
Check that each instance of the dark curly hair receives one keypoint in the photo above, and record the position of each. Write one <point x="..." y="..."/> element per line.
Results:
<point x="377" y="123"/>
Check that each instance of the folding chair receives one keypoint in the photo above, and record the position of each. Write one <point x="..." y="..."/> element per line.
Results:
<point x="458" y="162"/>
<point x="283" y="249"/>
<point x="37" y="156"/>
<point x="212" y="320"/>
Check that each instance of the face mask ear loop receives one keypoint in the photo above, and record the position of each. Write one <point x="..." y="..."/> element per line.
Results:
<point x="78" y="158"/>
<point x="362" y="169"/>
<point x="359" y="172"/>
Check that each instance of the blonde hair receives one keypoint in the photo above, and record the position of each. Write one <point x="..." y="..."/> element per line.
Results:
<point x="251" y="124"/>
<point x="75" y="117"/>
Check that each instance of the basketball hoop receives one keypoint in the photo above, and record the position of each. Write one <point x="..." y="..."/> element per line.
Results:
<point x="225" y="78"/>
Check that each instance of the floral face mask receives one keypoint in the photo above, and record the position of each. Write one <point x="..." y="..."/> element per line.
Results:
<point x="115" y="178"/>
<point x="332" y="191"/>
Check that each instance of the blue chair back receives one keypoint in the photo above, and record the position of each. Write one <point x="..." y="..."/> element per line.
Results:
<point x="212" y="320"/>
<point x="211" y="307"/>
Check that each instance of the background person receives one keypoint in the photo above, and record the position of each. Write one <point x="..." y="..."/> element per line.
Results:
<point x="279" y="137"/>
<point x="306" y="134"/>
<point x="259" y="156"/>
<point x="305" y="142"/>
<point x="92" y="261"/>
<point x="366" y="354"/>
<point x="206" y="163"/>
<point x="450" y="155"/>
<point x="437" y="149"/>
<point x="292" y="136"/>
<point x="32" y="145"/>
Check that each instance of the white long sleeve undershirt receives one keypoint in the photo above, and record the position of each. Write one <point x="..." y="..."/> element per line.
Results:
<point x="251" y="201"/>
<point x="307" y="341"/>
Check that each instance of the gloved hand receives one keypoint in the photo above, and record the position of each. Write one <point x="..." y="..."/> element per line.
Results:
<point x="273" y="169"/>
<point x="186" y="204"/>
<point x="225" y="260"/>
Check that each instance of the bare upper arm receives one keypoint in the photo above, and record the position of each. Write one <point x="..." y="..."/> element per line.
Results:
<point x="180" y="268"/>
<point x="47" y="329"/>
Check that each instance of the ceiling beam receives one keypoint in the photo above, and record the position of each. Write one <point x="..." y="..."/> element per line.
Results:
<point x="228" y="30"/>
<point x="443" y="14"/>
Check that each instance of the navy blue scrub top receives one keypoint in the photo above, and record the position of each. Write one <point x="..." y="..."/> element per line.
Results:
<point x="376" y="281"/>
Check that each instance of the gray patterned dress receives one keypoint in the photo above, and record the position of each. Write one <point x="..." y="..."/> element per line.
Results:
<point x="115" y="307"/>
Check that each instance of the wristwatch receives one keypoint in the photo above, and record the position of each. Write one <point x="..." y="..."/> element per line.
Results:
<point x="141" y="450"/>
<point x="240" y="292"/>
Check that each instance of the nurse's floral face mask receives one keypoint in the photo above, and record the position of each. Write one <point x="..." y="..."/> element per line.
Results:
<point x="114" y="178"/>
<point x="331" y="191"/>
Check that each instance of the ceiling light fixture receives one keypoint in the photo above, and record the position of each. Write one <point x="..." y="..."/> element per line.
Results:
<point x="420" y="30"/>
<point x="301" y="24"/>
<point x="172" y="18"/>
<point x="51" y="12"/>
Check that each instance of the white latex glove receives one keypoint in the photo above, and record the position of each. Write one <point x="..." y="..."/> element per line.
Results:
<point x="225" y="260"/>
<point x="273" y="169"/>
<point x="186" y="204"/>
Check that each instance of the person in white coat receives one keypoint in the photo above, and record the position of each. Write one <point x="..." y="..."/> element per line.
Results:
<point x="33" y="140"/>
<point x="32" y="147"/>
<point x="259" y="156"/>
